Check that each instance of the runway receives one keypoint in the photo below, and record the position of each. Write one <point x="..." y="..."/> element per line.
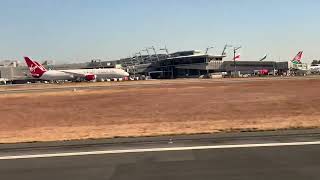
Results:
<point x="265" y="155"/>
<point x="38" y="88"/>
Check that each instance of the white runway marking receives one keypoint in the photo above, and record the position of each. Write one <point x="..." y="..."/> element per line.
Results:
<point x="31" y="156"/>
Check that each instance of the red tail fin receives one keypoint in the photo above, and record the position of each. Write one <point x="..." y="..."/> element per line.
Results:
<point x="35" y="68"/>
<point x="297" y="58"/>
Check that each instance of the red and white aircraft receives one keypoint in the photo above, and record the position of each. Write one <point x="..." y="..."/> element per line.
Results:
<point x="40" y="72"/>
<point x="297" y="58"/>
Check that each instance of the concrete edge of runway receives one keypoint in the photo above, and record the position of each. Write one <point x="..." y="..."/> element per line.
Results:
<point x="182" y="139"/>
<point x="160" y="149"/>
<point x="158" y="82"/>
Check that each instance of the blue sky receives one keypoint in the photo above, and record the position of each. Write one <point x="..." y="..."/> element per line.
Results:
<point x="80" y="30"/>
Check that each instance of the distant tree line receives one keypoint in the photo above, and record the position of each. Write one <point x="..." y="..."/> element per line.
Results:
<point x="315" y="62"/>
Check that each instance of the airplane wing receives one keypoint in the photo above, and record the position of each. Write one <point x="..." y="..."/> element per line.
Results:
<point x="74" y="73"/>
<point x="87" y="76"/>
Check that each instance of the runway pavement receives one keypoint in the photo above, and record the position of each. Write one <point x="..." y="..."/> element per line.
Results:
<point x="253" y="155"/>
<point x="38" y="88"/>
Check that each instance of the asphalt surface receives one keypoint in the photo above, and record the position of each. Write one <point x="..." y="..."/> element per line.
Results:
<point x="51" y="89"/>
<point x="274" y="162"/>
<point x="37" y="88"/>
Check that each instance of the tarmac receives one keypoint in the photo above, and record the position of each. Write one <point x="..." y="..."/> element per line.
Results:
<point x="287" y="154"/>
<point x="39" y="88"/>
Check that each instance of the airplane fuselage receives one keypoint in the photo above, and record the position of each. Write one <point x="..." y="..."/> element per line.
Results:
<point x="315" y="69"/>
<point x="108" y="73"/>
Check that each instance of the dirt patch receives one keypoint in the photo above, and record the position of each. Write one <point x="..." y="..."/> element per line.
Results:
<point x="164" y="108"/>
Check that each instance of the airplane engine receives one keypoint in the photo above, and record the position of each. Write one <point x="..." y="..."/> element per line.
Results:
<point x="90" y="77"/>
<point x="264" y="72"/>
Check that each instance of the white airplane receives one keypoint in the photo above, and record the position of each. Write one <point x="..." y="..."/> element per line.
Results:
<point x="40" y="72"/>
<point x="297" y="58"/>
<point x="298" y="67"/>
<point x="315" y="69"/>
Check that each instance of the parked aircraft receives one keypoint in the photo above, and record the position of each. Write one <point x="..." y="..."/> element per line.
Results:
<point x="315" y="69"/>
<point x="297" y="58"/>
<point x="298" y="66"/>
<point x="40" y="72"/>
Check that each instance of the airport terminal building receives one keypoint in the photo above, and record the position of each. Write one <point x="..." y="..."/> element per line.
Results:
<point x="182" y="64"/>
<point x="194" y="63"/>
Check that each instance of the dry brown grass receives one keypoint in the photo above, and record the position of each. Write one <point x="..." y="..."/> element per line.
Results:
<point x="164" y="108"/>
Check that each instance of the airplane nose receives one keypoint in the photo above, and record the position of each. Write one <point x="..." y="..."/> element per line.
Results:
<point x="125" y="73"/>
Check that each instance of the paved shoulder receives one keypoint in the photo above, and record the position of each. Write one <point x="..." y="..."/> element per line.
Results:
<point x="267" y="155"/>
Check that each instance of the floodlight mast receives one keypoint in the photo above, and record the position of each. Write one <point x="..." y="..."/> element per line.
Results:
<point x="147" y="50"/>
<point x="155" y="52"/>
<point x="166" y="50"/>
<point x="234" y="59"/>
<point x="139" y="53"/>
<point x="207" y="49"/>
<point x="224" y="49"/>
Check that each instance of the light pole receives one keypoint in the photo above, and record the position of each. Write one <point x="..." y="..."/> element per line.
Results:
<point x="207" y="49"/>
<point x="134" y="59"/>
<point x="224" y="49"/>
<point x="131" y="59"/>
<point x="234" y="59"/>
<point x="166" y="50"/>
<point x="155" y="52"/>
<point x="147" y="50"/>
<point x="140" y="59"/>
<point x="168" y="62"/>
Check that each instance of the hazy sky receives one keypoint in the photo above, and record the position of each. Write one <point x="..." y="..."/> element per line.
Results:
<point x="79" y="30"/>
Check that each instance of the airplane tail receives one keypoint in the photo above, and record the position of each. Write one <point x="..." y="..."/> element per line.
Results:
<point x="36" y="69"/>
<point x="297" y="58"/>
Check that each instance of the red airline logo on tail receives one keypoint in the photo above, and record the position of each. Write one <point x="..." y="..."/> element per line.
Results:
<point x="297" y="58"/>
<point x="35" y="68"/>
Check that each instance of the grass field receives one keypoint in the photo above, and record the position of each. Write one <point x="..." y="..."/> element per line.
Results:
<point x="161" y="108"/>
